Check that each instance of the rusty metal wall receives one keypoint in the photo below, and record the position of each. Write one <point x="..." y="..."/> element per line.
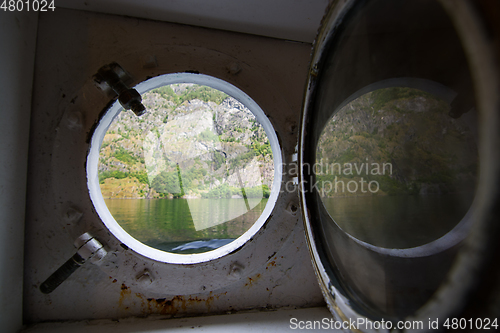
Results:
<point x="274" y="267"/>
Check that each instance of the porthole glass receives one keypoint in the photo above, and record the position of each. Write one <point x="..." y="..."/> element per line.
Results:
<point x="193" y="178"/>
<point x="395" y="170"/>
<point x="389" y="155"/>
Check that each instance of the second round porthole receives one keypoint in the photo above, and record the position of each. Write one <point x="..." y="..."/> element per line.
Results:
<point x="392" y="160"/>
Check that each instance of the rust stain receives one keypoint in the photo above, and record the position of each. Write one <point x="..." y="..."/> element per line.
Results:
<point x="209" y="301"/>
<point x="272" y="263"/>
<point x="168" y="306"/>
<point x="252" y="279"/>
<point x="124" y="293"/>
<point x="177" y="304"/>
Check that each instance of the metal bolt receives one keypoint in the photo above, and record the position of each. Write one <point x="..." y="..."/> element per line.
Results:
<point x="150" y="62"/>
<point x="234" y="68"/>
<point x="130" y="99"/>
<point x="72" y="215"/>
<point x="145" y="278"/>
<point x="236" y="270"/>
<point x="113" y="76"/>
<point x="314" y="70"/>
<point x="293" y="208"/>
<point x="74" y="120"/>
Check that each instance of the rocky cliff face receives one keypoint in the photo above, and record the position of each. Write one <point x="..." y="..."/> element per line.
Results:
<point x="193" y="141"/>
<point x="401" y="139"/>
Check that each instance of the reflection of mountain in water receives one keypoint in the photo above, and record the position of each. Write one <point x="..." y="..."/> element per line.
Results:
<point x="428" y="151"/>
<point x="398" y="221"/>
<point x="166" y="224"/>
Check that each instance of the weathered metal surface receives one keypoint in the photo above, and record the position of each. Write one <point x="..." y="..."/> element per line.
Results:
<point x="272" y="270"/>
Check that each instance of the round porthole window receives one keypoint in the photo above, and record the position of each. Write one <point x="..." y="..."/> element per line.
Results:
<point x="192" y="179"/>
<point x="392" y="159"/>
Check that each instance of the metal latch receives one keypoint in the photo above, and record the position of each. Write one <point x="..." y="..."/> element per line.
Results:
<point x="89" y="248"/>
<point x="114" y="78"/>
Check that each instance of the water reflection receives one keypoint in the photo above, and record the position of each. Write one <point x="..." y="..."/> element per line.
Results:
<point x="395" y="170"/>
<point x="397" y="221"/>
<point x="168" y="224"/>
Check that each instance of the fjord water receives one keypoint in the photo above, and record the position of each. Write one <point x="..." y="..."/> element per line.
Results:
<point x="167" y="224"/>
<point x="403" y="221"/>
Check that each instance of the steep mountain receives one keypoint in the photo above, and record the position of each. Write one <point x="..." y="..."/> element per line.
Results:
<point x="194" y="141"/>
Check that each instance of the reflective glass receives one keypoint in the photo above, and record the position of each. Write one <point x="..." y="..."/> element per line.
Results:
<point x="395" y="170"/>
<point x="389" y="153"/>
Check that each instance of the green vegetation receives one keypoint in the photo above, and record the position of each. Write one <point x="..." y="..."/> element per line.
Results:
<point x="225" y="191"/>
<point x="186" y="155"/>
<point x="121" y="154"/>
<point x="177" y="183"/>
<point x="141" y="176"/>
<point x="218" y="160"/>
<point x="382" y="97"/>
<point x="206" y="94"/>
<point x="241" y="159"/>
<point x="203" y="93"/>
<point x="168" y="183"/>
<point x="262" y="149"/>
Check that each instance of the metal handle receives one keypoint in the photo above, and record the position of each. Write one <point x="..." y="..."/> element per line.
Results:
<point x="89" y="248"/>
<point x="61" y="274"/>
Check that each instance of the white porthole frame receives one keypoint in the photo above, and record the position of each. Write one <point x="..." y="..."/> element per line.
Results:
<point x="108" y="219"/>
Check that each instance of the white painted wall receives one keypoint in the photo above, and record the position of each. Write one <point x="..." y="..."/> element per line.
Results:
<point x="296" y="20"/>
<point x="17" y="55"/>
